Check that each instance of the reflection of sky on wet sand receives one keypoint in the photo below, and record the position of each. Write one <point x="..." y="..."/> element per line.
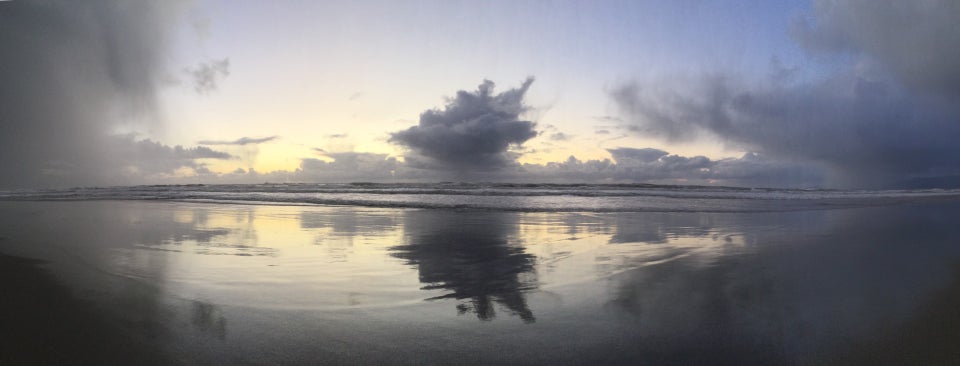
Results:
<point x="673" y="287"/>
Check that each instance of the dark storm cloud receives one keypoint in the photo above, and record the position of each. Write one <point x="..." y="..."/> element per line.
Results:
<point x="868" y="131"/>
<point x="240" y="141"/>
<point x="868" y="126"/>
<point x="70" y="72"/>
<point x="207" y="75"/>
<point x="917" y="41"/>
<point x="474" y="131"/>
<point x="754" y="170"/>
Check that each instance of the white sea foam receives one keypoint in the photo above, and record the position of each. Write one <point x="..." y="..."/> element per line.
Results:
<point x="500" y="196"/>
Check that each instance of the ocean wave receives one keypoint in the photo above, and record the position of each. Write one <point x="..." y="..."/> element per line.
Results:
<point x="502" y="196"/>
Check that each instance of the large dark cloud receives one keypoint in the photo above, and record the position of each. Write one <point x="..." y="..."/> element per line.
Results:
<point x="474" y="131"/>
<point x="71" y="72"/>
<point x="917" y="41"/>
<point x="888" y="119"/>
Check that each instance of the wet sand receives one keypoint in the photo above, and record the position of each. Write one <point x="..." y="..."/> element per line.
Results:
<point x="124" y="282"/>
<point x="43" y="323"/>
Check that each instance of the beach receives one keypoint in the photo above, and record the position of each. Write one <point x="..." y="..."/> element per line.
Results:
<point x="479" y="182"/>
<point x="179" y="282"/>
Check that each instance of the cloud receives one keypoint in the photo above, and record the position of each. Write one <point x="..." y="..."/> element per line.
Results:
<point x="917" y="41"/>
<point x="647" y="163"/>
<point x="474" y="131"/>
<point x="878" y="126"/>
<point x="755" y="170"/>
<point x="139" y="160"/>
<point x="608" y="119"/>
<point x="241" y="141"/>
<point x="869" y="132"/>
<point x="658" y="166"/>
<point x="348" y="166"/>
<point x="72" y="71"/>
<point x="337" y="136"/>
<point x="559" y="136"/>
<point x="628" y="165"/>
<point x="644" y="155"/>
<point x="207" y="75"/>
<point x="246" y="148"/>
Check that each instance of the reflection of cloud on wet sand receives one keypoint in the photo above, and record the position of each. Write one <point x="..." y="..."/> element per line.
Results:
<point x="338" y="231"/>
<point x="206" y="232"/>
<point x="659" y="227"/>
<point x="349" y="222"/>
<point x="646" y="239"/>
<point x="471" y="257"/>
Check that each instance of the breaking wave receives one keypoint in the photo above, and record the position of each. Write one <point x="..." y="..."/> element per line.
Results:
<point x="503" y="196"/>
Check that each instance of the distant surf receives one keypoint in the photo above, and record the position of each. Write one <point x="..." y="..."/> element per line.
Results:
<point x="503" y="196"/>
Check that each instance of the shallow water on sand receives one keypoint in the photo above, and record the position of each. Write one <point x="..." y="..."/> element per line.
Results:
<point x="234" y="283"/>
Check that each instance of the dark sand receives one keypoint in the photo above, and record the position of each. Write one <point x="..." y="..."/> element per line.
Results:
<point x="929" y="337"/>
<point x="185" y="283"/>
<point x="43" y="323"/>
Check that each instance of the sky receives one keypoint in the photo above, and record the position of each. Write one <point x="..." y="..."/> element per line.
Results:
<point x="806" y="94"/>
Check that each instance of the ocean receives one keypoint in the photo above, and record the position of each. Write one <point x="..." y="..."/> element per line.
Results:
<point x="504" y="196"/>
<point x="464" y="273"/>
